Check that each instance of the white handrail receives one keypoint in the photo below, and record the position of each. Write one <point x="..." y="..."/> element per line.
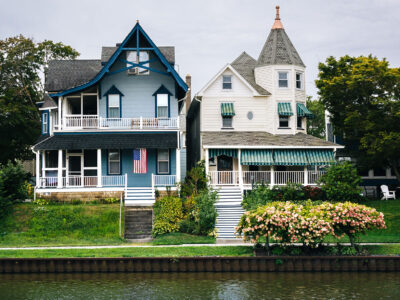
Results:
<point x="83" y="181"/>
<point x="224" y="177"/>
<point x="251" y="177"/>
<point x="164" y="180"/>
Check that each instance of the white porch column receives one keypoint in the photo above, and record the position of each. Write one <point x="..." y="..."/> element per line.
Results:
<point x="305" y="176"/>
<point x="43" y="166"/>
<point x="99" y="175"/>
<point x="272" y="176"/>
<point x="206" y="161"/>
<point x="59" y="170"/>
<point x="59" y="113"/>
<point x="37" y="169"/>
<point x="240" y="169"/>
<point x="178" y="165"/>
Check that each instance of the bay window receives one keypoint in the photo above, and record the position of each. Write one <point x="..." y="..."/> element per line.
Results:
<point x="283" y="79"/>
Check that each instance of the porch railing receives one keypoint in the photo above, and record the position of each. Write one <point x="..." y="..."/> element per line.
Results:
<point x="224" y="177"/>
<point x="164" y="180"/>
<point x="83" y="181"/>
<point x="71" y="122"/>
<point x="267" y="177"/>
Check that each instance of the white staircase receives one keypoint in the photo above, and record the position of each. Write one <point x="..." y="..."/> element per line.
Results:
<point x="139" y="196"/>
<point x="229" y="211"/>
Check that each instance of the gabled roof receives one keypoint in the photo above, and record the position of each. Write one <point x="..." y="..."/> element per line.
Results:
<point x="47" y="103"/>
<point x="132" y="41"/>
<point x="66" y="74"/>
<point x="245" y="65"/>
<point x="167" y="51"/>
<point x="278" y="49"/>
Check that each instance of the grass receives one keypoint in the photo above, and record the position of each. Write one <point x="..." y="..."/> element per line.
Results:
<point x="161" y="251"/>
<point x="177" y="238"/>
<point x="63" y="224"/>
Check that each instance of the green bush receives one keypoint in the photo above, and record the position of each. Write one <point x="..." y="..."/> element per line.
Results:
<point x="167" y="215"/>
<point x="12" y="187"/>
<point x="341" y="182"/>
<point x="258" y="196"/>
<point x="195" y="181"/>
<point x="111" y="200"/>
<point x="200" y="214"/>
<point x="40" y="201"/>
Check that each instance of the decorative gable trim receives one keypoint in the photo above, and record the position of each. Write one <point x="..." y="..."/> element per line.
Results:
<point x="113" y="90"/>
<point x="162" y="90"/>
<point x="106" y="68"/>
<point x="228" y="67"/>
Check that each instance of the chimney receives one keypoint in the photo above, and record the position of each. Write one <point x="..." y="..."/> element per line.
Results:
<point x="189" y="92"/>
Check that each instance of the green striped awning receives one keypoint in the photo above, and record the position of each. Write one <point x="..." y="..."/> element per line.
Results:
<point x="320" y="157"/>
<point x="290" y="157"/>
<point x="284" y="109"/>
<point x="227" y="152"/>
<point x="257" y="157"/>
<point x="227" y="109"/>
<point x="303" y="111"/>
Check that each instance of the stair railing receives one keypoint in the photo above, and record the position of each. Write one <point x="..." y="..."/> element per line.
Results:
<point x="152" y="186"/>
<point x="126" y="185"/>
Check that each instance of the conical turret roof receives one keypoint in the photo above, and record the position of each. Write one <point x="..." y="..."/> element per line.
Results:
<point x="278" y="49"/>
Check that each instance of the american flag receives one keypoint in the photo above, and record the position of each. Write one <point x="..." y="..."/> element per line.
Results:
<point x="139" y="161"/>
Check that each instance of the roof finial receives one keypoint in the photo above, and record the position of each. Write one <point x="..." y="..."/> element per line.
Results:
<point x="277" y="23"/>
<point x="137" y="21"/>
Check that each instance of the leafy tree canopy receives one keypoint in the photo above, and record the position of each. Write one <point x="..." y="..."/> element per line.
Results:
<point x="362" y="95"/>
<point x="316" y="125"/>
<point x="23" y="63"/>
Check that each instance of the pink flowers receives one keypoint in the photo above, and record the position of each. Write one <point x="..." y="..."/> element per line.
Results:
<point x="287" y="222"/>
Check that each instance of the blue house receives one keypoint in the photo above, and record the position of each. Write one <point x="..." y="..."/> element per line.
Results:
<point x="111" y="126"/>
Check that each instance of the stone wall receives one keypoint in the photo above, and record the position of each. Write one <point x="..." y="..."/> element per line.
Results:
<point x="83" y="196"/>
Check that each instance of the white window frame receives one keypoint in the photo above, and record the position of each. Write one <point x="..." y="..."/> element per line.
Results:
<point x="288" y="120"/>
<point x="110" y="106"/>
<point x="114" y="161"/>
<point x="301" y="80"/>
<point x="137" y="60"/>
<point x="158" y="106"/>
<point x="45" y="123"/>
<point x="162" y="160"/>
<point x="230" y="82"/>
<point x="287" y="79"/>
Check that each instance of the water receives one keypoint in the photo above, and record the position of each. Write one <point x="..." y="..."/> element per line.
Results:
<point x="201" y="286"/>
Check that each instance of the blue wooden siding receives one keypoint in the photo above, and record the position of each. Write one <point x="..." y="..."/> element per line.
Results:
<point x="183" y="164"/>
<point x="138" y="91"/>
<point x="139" y="180"/>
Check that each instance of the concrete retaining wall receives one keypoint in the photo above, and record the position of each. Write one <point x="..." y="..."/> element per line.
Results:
<point x="202" y="264"/>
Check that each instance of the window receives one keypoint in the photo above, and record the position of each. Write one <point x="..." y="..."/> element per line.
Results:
<point x="45" y="122"/>
<point x="114" y="110"/>
<point x="227" y="82"/>
<point x="283" y="79"/>
<point x="114" y="162"/>
<point x="162" y="105"/>
<point x="283" y="122"/>
<point x="300" y="122"/>
<point x="379" y="172"/>
<point x="163" y="161"/>
<point x="227" y="122"/>
<point x="299" y="80"/>
<point x="134" y="58"/>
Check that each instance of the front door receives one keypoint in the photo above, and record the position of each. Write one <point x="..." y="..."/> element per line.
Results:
<point x="74" y="170"/>
<point x="225" y="167"/>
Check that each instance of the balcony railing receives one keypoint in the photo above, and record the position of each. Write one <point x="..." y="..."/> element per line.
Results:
<point x="79" y="122"/>
<point x="164" y="180"/>
<point x="82" y="181"/>
<point x="266" y="177"/>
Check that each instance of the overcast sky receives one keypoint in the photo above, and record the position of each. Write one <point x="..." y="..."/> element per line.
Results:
<point x="207" y="34"/>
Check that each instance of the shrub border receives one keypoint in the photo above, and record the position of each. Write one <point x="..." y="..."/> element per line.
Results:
<point x="202" y="264"/>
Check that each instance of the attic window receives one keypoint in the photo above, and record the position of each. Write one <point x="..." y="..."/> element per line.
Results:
<point x="142" y="58"/>
<point x="226" y="82"/>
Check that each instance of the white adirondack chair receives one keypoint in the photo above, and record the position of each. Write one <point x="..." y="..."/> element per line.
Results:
<point x="387" y="194"/>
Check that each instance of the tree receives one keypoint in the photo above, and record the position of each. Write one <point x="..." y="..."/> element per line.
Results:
<point x="22" y="66"/>
<point x="362" y="95"/>
<point x="316" y="125"/>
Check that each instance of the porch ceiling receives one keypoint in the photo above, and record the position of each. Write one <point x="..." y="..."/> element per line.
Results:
<point x="108" y="141"/>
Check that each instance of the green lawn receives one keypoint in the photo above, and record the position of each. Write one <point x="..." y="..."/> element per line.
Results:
<point x="182" y="238"/>
<point x="161" y="251"/>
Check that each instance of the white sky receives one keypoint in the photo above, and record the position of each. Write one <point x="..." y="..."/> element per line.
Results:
<point x="207" y="34"/>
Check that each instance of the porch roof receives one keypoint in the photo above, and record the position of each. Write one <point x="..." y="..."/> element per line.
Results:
<point x="258" y="157"/>
<point x="108" y="141"/>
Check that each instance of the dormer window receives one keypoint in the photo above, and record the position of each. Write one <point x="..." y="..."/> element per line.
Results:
<point x="114" y="108"/>
<point x="283" y="79"/>
<point x="162" y="105"/>
<point x="143" y="58"/>
<point x="299" y="80"/>
<point x="226" y="82"/>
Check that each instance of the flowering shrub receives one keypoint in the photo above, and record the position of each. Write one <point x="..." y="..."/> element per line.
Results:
<point x="287" y="222"/>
